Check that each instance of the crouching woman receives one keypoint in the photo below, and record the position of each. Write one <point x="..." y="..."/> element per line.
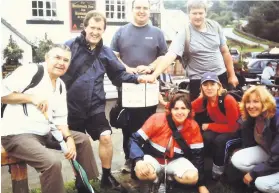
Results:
<point x="260" y="137"/>
<point x="158" y="156"/>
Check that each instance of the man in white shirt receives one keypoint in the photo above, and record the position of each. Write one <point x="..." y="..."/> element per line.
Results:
<point x="25" y="130"/>
<point x="267" y="73"/>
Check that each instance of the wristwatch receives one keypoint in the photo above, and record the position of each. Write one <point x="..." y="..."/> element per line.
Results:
<point x="66" y="138"/>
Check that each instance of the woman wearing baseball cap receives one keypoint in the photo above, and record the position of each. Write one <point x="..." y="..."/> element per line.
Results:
<point x="220" y="128"/>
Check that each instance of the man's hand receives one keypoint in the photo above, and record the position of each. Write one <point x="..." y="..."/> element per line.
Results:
<point x="41" y="104"/>
<point x="205" y="126"/>
<point x="147" y="78"/>
<point x="131" y="70"/>
<point x="203" y="189"/>
<point x="233" y="80"/>
<point x="143" y="168"/>
<point x="71" y="149"/>
<point x="247" y="179"/>
<point x="144" y="69"/>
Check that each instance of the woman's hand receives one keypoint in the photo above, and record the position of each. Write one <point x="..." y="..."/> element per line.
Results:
<point x="143" y="168"/>
<point x="203" y="189"/>
<point x="205" y="126"/>
<point x="247" y="179"/>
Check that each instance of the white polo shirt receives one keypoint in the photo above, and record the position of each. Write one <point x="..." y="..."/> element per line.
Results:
<point x="14" y="120"/>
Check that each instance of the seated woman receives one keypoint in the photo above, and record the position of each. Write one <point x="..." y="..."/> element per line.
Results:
<point x="221" y="131"/>
<point x="155" y="151"/>
<point x="260" y="138"/>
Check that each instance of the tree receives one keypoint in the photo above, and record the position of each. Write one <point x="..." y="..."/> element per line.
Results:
<point x="12" y="53"/>
<point x="40" y="51"/>
<point x="263" y="20"/>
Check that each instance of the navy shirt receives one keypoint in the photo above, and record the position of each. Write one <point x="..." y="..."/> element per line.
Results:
<point x="139" y="45"/>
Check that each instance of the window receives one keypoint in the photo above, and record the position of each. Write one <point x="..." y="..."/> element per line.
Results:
<point x="44" y="9"/>
<point x="115" y="10"/>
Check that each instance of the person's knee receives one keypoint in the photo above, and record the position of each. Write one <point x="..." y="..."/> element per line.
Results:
<point x="150" y="177"/>
<point x="53" y="163"/>
<point x="189" y="177"/>
<point x="105" y="140"/>
<point x="266" y="186"/>
<point x="237" y="160"/>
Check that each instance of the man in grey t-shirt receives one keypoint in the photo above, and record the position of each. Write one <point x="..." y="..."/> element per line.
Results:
<point x="137" y="43"/>
<point x="207" y="50"/>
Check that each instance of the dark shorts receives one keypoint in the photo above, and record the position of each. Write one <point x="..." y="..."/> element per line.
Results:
<point x="93" y="125"/>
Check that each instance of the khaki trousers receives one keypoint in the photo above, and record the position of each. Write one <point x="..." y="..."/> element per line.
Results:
<point x="35" y="151"/>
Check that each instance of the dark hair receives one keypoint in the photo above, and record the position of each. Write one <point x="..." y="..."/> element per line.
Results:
<point x="98" y="16"/>
<point x="180" y="97"/>
<point x="134" y="3"/>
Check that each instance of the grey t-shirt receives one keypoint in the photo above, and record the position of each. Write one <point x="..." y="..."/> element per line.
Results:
<point x="139" y="45"/>
<point x="205" y="54"/>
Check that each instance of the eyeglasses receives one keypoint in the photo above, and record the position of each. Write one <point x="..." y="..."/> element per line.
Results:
<point x="141" y="8"/>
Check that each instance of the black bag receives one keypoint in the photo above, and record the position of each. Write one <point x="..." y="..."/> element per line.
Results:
<point x="178" y="138"/>
<point x="118" y="116"/>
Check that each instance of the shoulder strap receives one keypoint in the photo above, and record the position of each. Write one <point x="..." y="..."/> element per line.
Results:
<point x="34" y="82"/>
<point x="36" y="78"/>
<point x="214" y="24"/>
<point x="221" y="103"/>
<point x="177" y="136"/>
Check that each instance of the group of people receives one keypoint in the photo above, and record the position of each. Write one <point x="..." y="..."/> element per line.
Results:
<point x="71" y="94"/>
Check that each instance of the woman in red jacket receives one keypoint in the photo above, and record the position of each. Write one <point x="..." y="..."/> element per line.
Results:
<point x="223" y="110"/>
<point x="157" y="154"/>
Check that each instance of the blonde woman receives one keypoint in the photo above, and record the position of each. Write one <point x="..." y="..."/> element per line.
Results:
<point x="219" y="128"/>
<point x="260" y="138"/>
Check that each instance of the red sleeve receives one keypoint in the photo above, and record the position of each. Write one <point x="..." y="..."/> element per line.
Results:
<point x="153" y="123"/>
<point x="193" y="134"/>
<point x="232" y="115"/>
<point x="197" y="105"/>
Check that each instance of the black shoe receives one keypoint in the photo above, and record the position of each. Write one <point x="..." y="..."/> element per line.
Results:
<point x="83" y="190"/>
<point x="110" y="183"/>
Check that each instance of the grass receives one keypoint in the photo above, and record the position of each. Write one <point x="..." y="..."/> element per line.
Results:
<point x="254" y="39"/>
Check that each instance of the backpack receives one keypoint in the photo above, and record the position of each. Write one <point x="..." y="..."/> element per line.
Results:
<point x="185" y="59"/>
<point x="34" y="82"/>
<point x="236" y="94"/>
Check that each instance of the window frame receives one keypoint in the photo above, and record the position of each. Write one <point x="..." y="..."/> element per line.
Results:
<point x="52" y="9"/>
<point x="113" y="12"/>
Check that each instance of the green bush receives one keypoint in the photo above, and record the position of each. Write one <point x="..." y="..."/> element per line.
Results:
<point x="12" y="52"/>
<point x="40" y="51"/>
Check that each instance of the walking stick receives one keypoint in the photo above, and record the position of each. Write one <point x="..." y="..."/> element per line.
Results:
<point x="78" y="170"/>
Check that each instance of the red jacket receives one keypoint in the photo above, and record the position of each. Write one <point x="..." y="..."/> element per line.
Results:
<point x="154" y="136"/>
<point x="221" y="123"/>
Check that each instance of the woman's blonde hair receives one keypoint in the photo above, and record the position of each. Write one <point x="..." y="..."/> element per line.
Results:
<point x="220" y="91"/>
<point x="267" y="100"/>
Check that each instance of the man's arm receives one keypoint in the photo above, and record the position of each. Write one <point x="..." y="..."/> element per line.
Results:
<point x="21" y="98"/>
<point x="163" y="62"/>
<point x="232" y="79"/>
<point x="128" y="69"/>
<point x="17" y="98"/>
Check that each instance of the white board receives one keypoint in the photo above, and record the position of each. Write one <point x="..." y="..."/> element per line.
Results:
<point x="140" y="95"/>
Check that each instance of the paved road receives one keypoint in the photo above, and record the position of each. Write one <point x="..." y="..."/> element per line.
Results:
<point x="229" y="33"/>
